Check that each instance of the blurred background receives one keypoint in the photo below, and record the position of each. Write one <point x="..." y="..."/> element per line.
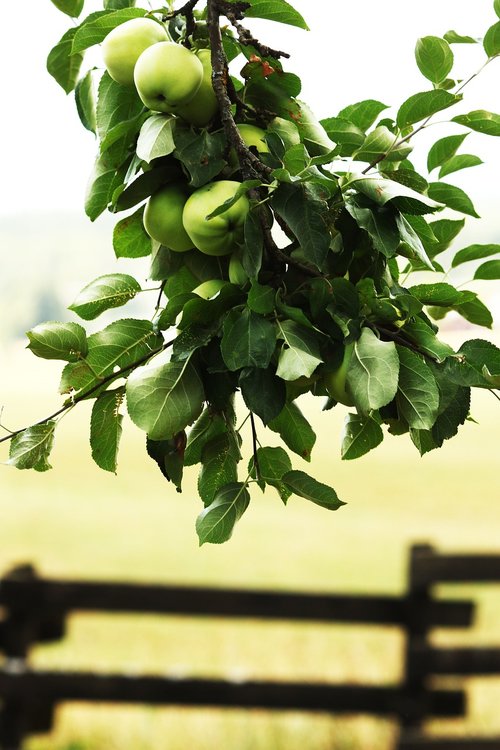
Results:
<point x="79" y="521"/>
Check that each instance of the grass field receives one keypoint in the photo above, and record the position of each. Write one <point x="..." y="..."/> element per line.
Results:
<point x="79" y="521"/>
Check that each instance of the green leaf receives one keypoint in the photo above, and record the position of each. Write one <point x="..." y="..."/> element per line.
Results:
<point x="418" y="395"/>
<point x="254" y="245"/>
<point x="168" y="454"/>
<point x="373" y="372"/>
<point x="162" y="399"/>
<point x="294" y="430"/>
<point x="209" y="425"/>
<point x="104" y="180"/>
<point x="202" y="153"/>
<point x="273" y="463"/>
<point x="301" y="355"/>
<point x="496" y="6"/>
<point x="411" y="244"/>
<point x="305" y="486"/>
<point x="476" y="312"/>
<point x="103" y="293"/>
<point x="420" y="333"/>
<point x="72" y="8"/>
<point x="263" y="392"/>
<point x="475" y="359"/>
<point x="452" y="37"/>
<point x="306" y="217"/>
<point x="98" y="25"/>
<point x="53" y="340"/>
<point x="362" y="114"/>
<point x="85" y="102"/>
<point x="491" y="41"/>
<point x="481" y="121"/>
<point x="380" y="225"/>
<point x="118" y="4"/>
<point x="454" y="415"/>
<point x="439" y="294"/>
<point x="106" y="429"/>
<point x="31" y="448"/>
<point x="423" y="105"/>
<point x="381" y="143"/>
<point x="219" y="466"/>
<point x="461" y="161"/>
<point x="62" y="64"/>
<point x="130" y="239"/>
<point x="405" y="199"/>
<point x="443" y="150"/>
<point x="248" y="340"/>
<point x="434" y="58"/>
<point x="488" y="270"/>
<point x="271" y="10"/>
<point x="361" y="434"/>
<point x="117" y="346"/>
<point x="453" y="197"/>
<point x="474" y="252"/>
<point x="261" y="298"/>
<point x="156" y="137"/>
<point x="147" y="183"/>
<point x="445" y="231"/>
<point x="216" y="523"/>
<point x="345" y="134"/>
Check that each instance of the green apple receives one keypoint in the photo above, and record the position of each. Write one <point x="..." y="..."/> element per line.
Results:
<point x="254" y="136"/>
<point x="312" y="132"/>
<point x="203" y="106"/>
<point x="335" y="381"/>
<point x="163" y="218"/>
<point x="166" y="75"/>
<point x="218" y="235"/>
<point x="125" y="43"/>
<point x="208" y="289"/>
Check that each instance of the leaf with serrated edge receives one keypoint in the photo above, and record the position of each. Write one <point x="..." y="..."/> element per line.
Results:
<point x="418" y="396"/>
<point x="130" y="239"/>
<point x="294" y="430"/>
<point x="62" y="64"/>
<point x="216" y="523"/>
<point x="301" y="354"/>
<point x="162" y="399"/>
<point x="104" y="293"/>
<point x="219" y="461"/>
<point x="481" y="121"/>
<point x="54" y="340"/>
<point x="30" y="449"/>
<point x="305" y="486"/>
<point x="273" y="463"/>
<point x="434" y="58"/>
<point x="156" y="138"/>
<point x="474" y="252"/>
<point x="373" y="370"/>
<point x="95" y="28"/>
<point x="453" y="197"/>
<point x="106" y="429"/>
<point x="361" y="434"/>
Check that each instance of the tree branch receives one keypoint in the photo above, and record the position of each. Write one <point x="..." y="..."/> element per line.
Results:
<point x="105" y="381"/>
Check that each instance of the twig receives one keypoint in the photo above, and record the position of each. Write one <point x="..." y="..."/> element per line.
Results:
<point x="108" y="379"/>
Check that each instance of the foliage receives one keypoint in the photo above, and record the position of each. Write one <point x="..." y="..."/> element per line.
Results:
<point x="357" y="220"/>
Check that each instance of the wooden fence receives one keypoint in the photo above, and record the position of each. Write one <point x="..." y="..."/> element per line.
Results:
<point x="35" y="610"/>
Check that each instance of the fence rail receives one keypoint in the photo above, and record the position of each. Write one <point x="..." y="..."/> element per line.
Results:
<point x="36" y="609"/>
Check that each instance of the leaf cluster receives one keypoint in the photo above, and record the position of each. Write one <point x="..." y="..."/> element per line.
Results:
<point x="340" y="221"/>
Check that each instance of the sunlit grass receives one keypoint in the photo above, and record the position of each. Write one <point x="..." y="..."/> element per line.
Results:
<point x="78" y="521"/>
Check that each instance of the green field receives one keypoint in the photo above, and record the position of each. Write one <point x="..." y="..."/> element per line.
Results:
<point x="78" y="521"/>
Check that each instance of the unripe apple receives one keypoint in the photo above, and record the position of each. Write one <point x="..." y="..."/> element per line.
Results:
<point x="163" y="218"/>
<point x="203" y="106"/>
<point x="254" y="136"/>
<point x="335" y="381"/>
<point x="218" y="235"/>
<point x="166" y="75"/>
<point x="208" y="289"/>
<point x="125" y="43"/>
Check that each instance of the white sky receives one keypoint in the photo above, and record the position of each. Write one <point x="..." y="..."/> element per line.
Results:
<point x="354" y="50"/>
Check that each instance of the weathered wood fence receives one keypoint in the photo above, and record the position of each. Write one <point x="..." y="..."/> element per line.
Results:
<point x="34" y="610"/>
